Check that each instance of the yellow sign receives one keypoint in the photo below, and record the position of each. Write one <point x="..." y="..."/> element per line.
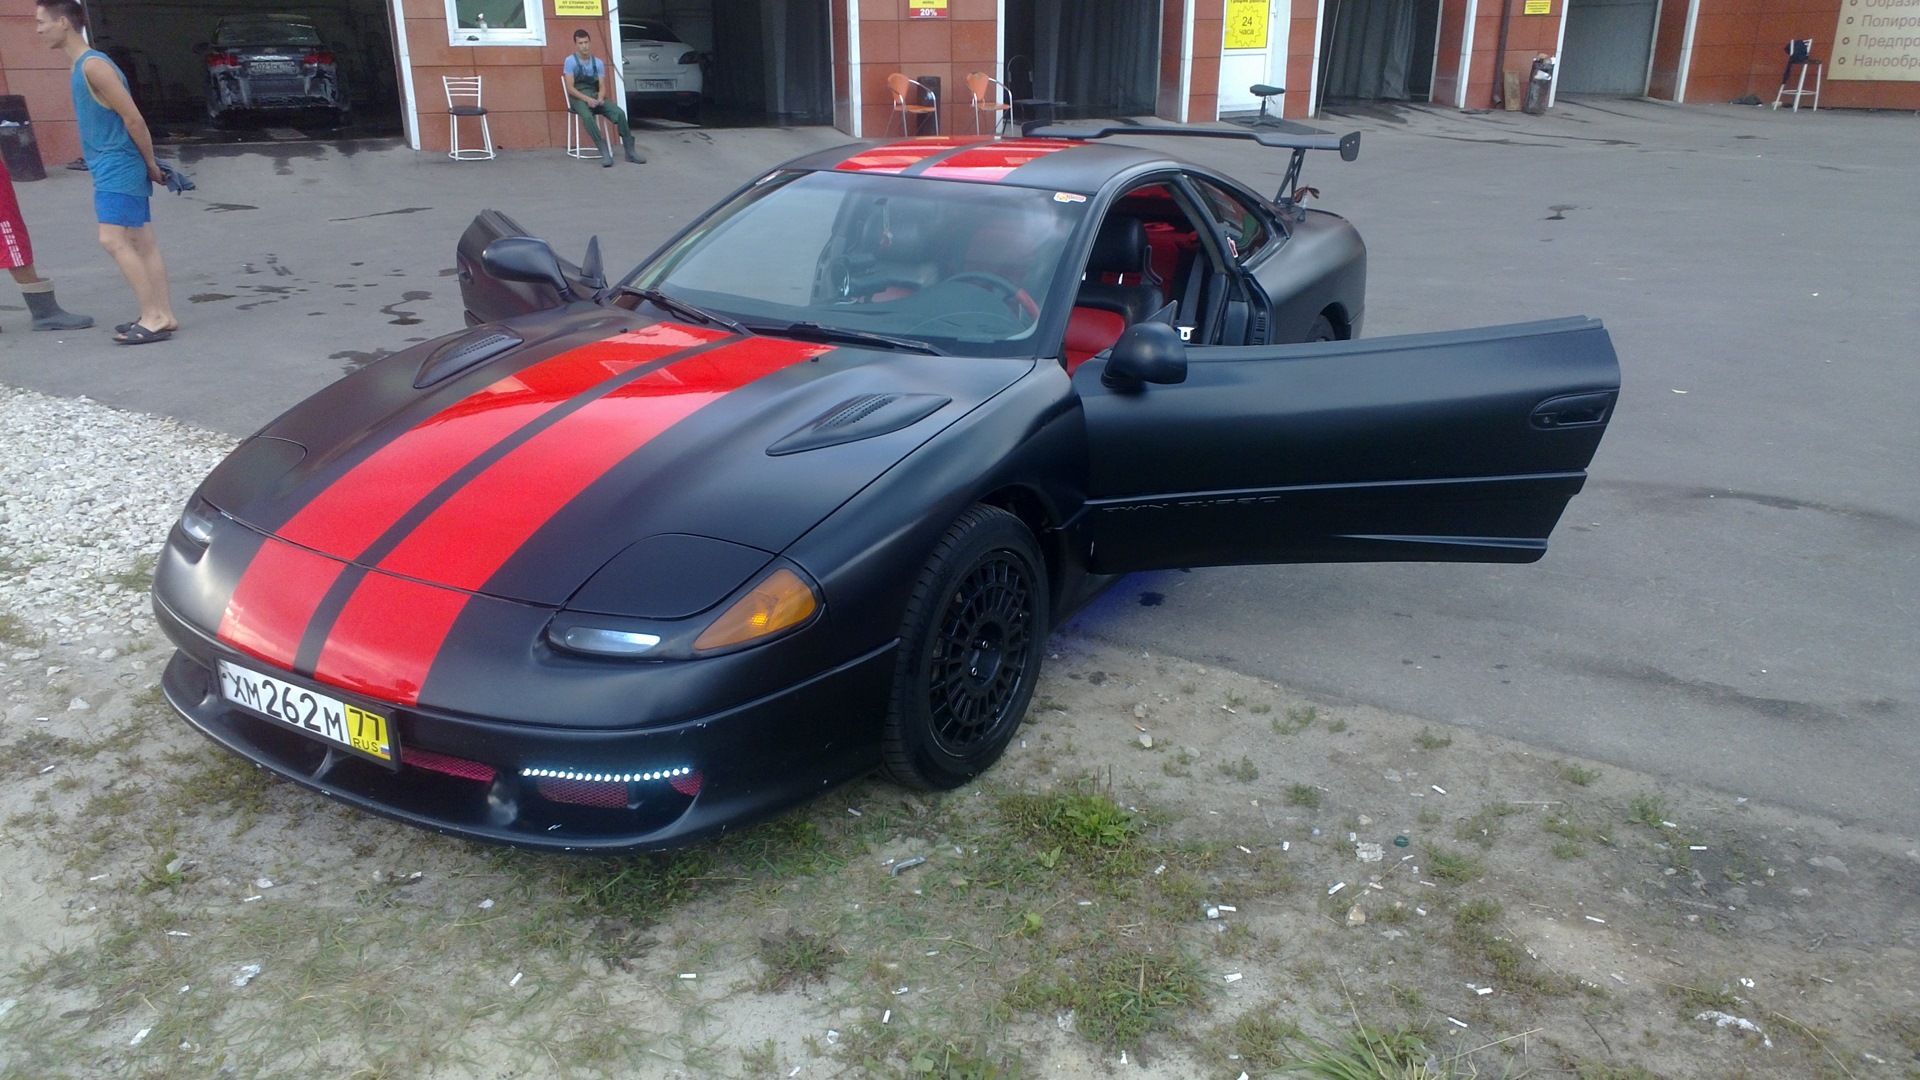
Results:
<point x="578" y="8"/>
<point x="1246" y="24"/>
<point x="1876" y="40"/>
<point x="926" y="9"/>
<point x="1539" y="7"/>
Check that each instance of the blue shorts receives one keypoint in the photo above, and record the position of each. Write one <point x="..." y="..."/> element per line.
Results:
<point x="114" y="208"/>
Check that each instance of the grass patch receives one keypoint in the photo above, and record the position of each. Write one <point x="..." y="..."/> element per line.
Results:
<point x="1243" y="771"/>
<point x="1478" y="935"/>
<point x="1453" y="867"/>
<point x="1577" y="776"/>
<point x="15" y="632"/>
<point x="1486" y="826"/>
<point x="795" y="958"/>
<point x="1304" y="795"/>
<point x="135" y="578"/>
<point x="1255" y="1043"/>
<point x="1367" y="1053"/>
<point x="1429" y="739"/>
<point x="1648" y="810"/>
<point x="1118" y="996"/>
<point x="1295" y="721"/>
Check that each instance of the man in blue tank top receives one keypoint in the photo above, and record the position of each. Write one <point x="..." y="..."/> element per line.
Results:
<point x="587" y="95"/>
<point x="119" y="153"/>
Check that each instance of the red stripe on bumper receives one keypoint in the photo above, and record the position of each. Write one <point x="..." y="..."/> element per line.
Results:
<point x="387" y="636"/>
<point x="269" y="610"/>
<point x="359" y="507"/>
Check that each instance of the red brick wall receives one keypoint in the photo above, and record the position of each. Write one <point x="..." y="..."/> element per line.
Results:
<point x="1302" y="35"/>
<point x="1739" y="47"/>
<point x="526" y="109"/>
<point x="1664" y="81"/>
<point x="41" y="75"/>
<point x="948" y="49"/>
<point x="1527" y="37"/>
<point x="1446" y="71"/>
<point x="1203" y="80"/>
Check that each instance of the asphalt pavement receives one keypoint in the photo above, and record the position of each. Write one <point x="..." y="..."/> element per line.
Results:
<point x="1734" y="600"/>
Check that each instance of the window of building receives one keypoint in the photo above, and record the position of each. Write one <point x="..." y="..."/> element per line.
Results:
<point x="495" y="22"/>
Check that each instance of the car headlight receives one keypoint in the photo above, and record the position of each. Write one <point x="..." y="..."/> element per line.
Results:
<point x="781" y="601"/>
<point x="777" y="603"/>
<point x="197" y="521"/>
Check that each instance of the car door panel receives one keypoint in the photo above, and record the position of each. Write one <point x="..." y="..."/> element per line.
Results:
<point x="1456" y="446"/>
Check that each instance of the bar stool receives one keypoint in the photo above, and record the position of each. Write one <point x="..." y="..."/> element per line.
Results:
<point x="1265" y="93"/>
<point x="463" y="99"/>
<point x="1800" y="54"/>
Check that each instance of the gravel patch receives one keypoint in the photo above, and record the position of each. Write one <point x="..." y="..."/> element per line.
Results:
<point x="87" y="494"/>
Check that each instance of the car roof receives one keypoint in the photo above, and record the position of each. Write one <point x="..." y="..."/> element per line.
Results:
<point x="648" y="27"/>
<point x="1048" y="163"/>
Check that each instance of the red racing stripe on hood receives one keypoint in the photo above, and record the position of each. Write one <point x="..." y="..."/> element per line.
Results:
<point x="284" y="585"/>
<point x="388" y="635"/>
<point x="359" y="507"/>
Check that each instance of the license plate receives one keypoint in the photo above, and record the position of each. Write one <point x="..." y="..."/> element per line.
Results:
<point x="312" y="713"/>
<point x="656" y="84"/>
<point x="273" y="67"/>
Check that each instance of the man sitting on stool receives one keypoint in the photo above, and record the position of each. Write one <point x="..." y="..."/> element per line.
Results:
<point x="585" y="73"/>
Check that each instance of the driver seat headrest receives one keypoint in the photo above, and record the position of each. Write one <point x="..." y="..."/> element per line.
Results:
<point x="1119" y="248"/>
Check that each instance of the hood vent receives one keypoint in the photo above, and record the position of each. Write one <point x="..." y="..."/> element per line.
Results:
<point x="459" y="355"/>
<point x="859" y="418"/>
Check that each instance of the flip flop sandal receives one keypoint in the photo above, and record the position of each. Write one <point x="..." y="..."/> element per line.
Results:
<point x="140" y="335"/>
<point x="126" y="326"/>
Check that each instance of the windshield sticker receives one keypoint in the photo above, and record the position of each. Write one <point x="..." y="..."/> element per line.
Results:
<point x="1068" y="196"/>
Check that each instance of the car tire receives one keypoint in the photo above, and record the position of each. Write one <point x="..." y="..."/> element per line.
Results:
<point x="971" y="644"/>
<point x="1323" y="330"/>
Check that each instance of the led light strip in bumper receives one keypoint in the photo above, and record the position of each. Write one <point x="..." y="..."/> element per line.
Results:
<point x="606" y="778"/>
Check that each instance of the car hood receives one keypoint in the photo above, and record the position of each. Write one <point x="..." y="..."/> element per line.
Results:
<point x="577" y="435"/>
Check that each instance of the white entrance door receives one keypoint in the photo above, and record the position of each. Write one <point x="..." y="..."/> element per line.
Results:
<point x="1255" y="51"/>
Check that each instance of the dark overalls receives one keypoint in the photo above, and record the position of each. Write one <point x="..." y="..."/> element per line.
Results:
<point x="587" y="81"/>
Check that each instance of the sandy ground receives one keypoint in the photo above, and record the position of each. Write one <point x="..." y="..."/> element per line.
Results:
<point x="1806" y="930"/>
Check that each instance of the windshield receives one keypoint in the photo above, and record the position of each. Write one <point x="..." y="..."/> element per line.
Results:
<point x="648" y="32"/>
<point x="264" y="32"/>
<point x="965" y="268"/>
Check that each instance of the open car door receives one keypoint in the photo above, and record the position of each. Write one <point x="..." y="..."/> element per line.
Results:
<point x="1462" y="446"/>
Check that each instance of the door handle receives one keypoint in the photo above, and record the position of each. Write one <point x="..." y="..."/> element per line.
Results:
<point x="1574" y="410"/>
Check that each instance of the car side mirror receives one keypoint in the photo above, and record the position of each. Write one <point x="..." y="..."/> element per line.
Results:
<point x="1149" y="352"/>
<point x="523" y="258"/>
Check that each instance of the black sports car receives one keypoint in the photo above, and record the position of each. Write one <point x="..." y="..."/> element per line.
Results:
<point x="801" y="497"/>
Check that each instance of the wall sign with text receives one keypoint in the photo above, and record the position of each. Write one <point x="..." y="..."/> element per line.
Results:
<point x="926" y="9"/>
<point x="1876" y="40"/>
<point x="1246" y="24"/>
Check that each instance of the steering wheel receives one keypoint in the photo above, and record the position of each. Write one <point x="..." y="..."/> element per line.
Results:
<point x="1014" y="295"/>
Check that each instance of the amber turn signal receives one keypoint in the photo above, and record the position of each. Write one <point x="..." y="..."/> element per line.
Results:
<point x="778" y="602"/>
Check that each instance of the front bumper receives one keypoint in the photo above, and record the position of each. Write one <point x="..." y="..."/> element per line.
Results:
<point x="493" y="780"/>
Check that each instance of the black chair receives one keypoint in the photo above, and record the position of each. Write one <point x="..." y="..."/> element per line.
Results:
<point x="1266" y="93"/>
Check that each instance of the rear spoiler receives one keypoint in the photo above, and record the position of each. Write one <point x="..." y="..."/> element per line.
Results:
<point x="1294" y="137"/>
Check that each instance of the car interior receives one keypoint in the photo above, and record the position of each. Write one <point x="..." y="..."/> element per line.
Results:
<point x="1148" y="253"/>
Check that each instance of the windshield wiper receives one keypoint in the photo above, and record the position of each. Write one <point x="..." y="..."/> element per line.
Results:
<point x="816" y="332"/>
<point x="686" y="310"/>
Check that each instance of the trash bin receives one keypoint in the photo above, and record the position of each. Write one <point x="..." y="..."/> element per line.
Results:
<point x="1539" y="84"/>
<point x="17" y="146"/>
<point x="928" y="123"/>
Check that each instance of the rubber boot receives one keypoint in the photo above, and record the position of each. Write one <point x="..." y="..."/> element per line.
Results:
<point x="633" y="155"/>
<point x="47" y="314"/>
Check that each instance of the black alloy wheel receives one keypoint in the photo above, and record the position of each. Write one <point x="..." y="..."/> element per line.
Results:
<point x="970" y="652"/>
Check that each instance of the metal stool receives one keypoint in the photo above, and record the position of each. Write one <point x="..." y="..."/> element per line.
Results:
<point x="1265" y="93"/>
<point x="1800" y="54"/>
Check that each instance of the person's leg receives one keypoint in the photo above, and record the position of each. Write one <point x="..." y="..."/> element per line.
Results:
<point x="591" y="127"/>
<point x="137" y="254"/>
<point x="46" y="311"/>
<point x="619" y="118"/>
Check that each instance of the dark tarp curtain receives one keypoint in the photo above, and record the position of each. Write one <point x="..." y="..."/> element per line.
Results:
<point x="772" y="58"/>
<point x="1372" y="45"/>
<point x="1097" y="58"/>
